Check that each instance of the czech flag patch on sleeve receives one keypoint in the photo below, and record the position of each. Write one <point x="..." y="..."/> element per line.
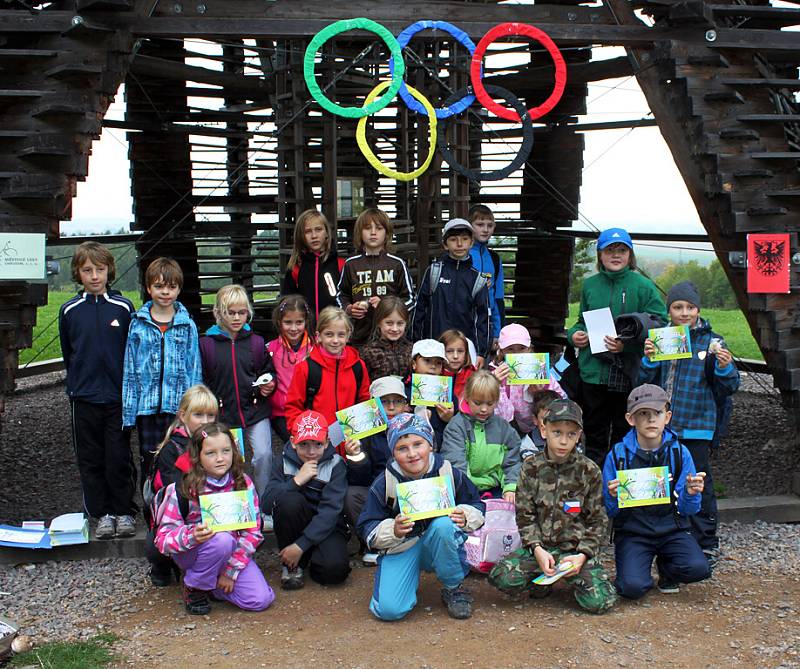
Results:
<point x="572" y="506"/>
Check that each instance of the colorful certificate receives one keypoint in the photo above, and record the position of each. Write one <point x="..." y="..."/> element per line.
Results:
<point x="428" y="390"/>
<point x="528" y="369"/>
<point x="671" y="343"/>
<point x="362" y="420"/>
<point x="226" y="511"/>
<point x="238" y="437"/>
<point x="643" y="487"/>
<point x="426" y="498"/>
<point x="561" y="569"/>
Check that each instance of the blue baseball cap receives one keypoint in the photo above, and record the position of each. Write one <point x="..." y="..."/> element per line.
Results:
<point x="614" y="236"/>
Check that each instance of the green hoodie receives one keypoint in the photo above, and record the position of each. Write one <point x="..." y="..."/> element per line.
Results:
<point x="624" y="292"/>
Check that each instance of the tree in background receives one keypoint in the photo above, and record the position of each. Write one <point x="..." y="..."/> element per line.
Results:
<point x="584" y="265"/>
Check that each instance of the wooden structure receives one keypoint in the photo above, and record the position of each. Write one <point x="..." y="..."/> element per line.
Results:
<point x="227" y="147"/>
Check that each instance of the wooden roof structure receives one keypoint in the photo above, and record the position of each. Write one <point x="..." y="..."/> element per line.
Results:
<point x="227" y="147"/>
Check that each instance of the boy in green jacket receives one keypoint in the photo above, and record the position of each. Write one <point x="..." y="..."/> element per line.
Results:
<point x="604" y="385"/>
<point x="561" y="518"/>
<point x="483" y="446"/>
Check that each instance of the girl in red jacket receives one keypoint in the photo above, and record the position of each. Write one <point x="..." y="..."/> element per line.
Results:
<point x="333" y="377"/>
<point x="459" y="362"/>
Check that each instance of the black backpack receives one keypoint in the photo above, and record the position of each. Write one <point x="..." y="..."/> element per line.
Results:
<point x="723" y="400"/>
<point x="314" y="380"/>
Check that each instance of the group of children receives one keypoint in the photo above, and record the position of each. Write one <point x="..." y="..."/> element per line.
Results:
<point x="352" y="330"/>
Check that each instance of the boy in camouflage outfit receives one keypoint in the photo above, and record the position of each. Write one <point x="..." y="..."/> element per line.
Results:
<point x="560" y="516"/>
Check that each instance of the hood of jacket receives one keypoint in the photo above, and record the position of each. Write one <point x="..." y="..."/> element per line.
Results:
<point x="349" y="358"/>
<point x="219" y="333"/>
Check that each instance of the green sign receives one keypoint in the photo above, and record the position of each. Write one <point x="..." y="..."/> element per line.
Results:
<point x="22" y="255"/>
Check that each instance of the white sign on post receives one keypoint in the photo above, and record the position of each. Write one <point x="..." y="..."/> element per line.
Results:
<point x="22" y="255"/>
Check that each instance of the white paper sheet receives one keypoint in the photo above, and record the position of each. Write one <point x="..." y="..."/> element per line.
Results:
<point x="21" y="537"/>
<point x="599" y="323"/>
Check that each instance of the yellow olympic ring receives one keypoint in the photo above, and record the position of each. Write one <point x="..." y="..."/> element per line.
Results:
<point x="361" y="136"/>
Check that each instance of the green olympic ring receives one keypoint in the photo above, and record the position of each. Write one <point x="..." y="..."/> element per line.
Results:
<point x="334" y="29"/>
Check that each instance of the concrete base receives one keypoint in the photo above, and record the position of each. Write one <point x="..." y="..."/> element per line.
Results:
<point x="770" y="509"/>
<point x="94" y="550"/>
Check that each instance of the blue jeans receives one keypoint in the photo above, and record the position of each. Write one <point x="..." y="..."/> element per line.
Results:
<point x="679" y="559"/>
<point x="439" y="549"/>
<point x="259" y="438"/>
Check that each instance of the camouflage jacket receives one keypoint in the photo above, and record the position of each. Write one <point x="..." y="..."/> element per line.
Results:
<point x="543" y="490"/>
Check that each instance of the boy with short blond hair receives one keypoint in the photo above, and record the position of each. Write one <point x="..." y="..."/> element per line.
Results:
<point x="560" y="517"/>
<point x="162" y="359"/>
<point x="93" y="327"/>
<point x="658" y="531"/>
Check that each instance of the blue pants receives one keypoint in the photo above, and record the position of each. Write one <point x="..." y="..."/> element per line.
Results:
<point x="704" y="522"/>
<point x="439" y="549"/>
<point x="679" y="559"/>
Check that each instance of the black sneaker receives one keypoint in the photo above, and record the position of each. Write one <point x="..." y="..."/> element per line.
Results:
<point x="540" y="591"/>
<point x="713" y="556"/>
<point x="668" y="587"/>
<point x="196" y="601"/>
<point x="292" y="579"/>
<point x="160" y="577"/>
<point x="458" y="601"/>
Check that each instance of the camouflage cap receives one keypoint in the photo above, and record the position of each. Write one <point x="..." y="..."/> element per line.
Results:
<point x="564" y="410"/>
<point x="647" y="396"/>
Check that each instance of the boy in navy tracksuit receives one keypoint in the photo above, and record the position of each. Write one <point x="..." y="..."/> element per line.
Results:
<point x="460" y="298"/>
<point x="488" y="263"/>
<point x="659" y="531"/>
<point x="93" y="327"/>
<point x="692" y="385"/>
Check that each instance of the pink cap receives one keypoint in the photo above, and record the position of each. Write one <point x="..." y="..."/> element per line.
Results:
<point x="310" y="426"/>
<point x="514" y="334"/>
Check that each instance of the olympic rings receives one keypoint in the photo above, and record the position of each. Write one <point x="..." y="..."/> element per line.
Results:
<point x="331" y="31"/>
<point x="524" y="149"/>
<point x="455" y="104"/>
<point x="361" y="137"/>
<point x="405" y="37"/>
<point x="534" y="33"/>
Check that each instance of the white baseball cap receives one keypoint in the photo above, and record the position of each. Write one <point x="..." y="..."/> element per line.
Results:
<point x="454" y="225"/>
<point x="428" y="348"/>
<point x="387" y="385"/>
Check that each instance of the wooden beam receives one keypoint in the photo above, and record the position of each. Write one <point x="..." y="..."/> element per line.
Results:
<point x="253" y="86"/>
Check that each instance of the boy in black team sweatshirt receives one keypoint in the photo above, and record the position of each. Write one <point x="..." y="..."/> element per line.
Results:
<point x="453" y="294"/>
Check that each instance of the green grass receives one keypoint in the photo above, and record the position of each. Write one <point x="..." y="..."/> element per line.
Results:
<point x="730" y="323"/>
<point x="94" y="653"/>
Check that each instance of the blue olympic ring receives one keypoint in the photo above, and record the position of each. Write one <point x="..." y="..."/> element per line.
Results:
<point x="460" y="36"/>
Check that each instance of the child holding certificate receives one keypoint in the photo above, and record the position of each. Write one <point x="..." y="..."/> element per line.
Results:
<point x="654" y="522"/>
<point x="407" y="547"/>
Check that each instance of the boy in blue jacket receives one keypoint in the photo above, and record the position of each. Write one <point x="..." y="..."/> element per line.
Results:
<point x="659" y="531"/>
<point x="407" y="547"/>
<point x="93" y="327"/>
<point x="162" y="360"/>
<point x="693" y="386"/>
<point x="488" y="263"/>
<point x="453" y="294"/>
<point x="305" y="497"/>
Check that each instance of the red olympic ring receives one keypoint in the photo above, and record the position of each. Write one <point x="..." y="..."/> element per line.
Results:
<point x="540" y="36"/>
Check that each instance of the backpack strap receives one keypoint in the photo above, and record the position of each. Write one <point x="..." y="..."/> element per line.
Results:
<point x="183" y="503"/>
<point x="257" y="350"/>
<point x="478" y="286"/>
<point x="313" y="382"/>
<point x="358" y="373"/>
<point x="434" y="276"/>
<point x="296" y="273"/>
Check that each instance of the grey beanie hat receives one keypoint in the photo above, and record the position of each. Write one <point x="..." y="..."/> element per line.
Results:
<point x="685" y="290"/>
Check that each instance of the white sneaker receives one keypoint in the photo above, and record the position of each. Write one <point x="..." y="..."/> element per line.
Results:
<point x="267" y="524"/>
<point x="106" y="528"/>
<point x="126" y="526"/>
<point x="369" y="559"/>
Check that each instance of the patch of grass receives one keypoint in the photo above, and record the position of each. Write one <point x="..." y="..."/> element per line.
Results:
<point x="95" y="653"/>
<point x="730" y="323"/>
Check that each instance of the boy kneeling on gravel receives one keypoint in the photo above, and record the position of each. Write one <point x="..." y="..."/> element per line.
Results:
<point x="654" y="530"/>
<point x="407" y="547"/>
<point x="560" y="518"/>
